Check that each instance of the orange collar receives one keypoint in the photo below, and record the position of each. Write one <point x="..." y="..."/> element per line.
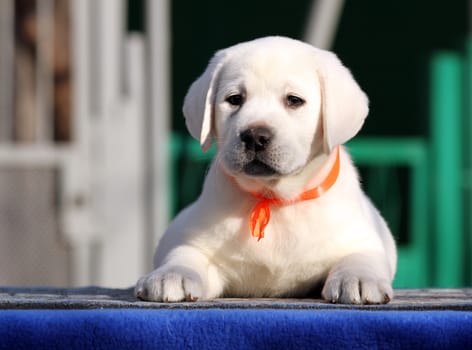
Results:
<point x="260" y="214"/>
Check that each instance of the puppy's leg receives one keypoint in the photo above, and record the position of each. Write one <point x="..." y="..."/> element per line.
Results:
<point x="359" y="279"/>
<point x="187" y="275"/>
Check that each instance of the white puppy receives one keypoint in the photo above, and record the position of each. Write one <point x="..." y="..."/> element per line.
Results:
<point x="282" y="213"/>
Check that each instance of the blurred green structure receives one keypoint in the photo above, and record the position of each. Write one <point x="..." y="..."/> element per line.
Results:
<point x="417" y="182"/>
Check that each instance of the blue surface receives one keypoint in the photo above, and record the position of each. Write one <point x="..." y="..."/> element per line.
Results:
<point x="234" y="329"/>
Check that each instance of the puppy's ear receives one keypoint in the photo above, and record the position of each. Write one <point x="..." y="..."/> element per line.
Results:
<point x="198" y="106"/>
<point x="344" y="105"/>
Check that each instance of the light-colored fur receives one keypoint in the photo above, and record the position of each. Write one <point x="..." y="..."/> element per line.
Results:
<point x="337" y="243"/>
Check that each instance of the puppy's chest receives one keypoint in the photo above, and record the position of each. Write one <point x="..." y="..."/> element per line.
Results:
<point x="293" y="238"/>
<point x="275" y="266"/>
<point x="296" y="226"/>
<point x="297" y="250"/>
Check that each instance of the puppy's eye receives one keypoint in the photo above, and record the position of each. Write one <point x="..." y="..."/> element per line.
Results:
<point x="294" y="101"/>
<point x="235" y="100"/>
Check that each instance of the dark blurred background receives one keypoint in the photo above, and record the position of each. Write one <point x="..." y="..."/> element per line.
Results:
<point x="386" y="44"/>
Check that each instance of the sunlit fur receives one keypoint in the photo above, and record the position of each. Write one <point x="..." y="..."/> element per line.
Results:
<point x="337" y="243"/>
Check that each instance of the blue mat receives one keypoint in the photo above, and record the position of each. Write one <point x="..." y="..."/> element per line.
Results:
<point x="88" y="319"/>
<point x="234" y="329"/>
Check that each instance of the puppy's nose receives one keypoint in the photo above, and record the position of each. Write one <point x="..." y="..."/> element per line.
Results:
<point x="256" y="139"/>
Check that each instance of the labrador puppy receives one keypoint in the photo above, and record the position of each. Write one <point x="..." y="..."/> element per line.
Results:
<point x="281" y="213"/>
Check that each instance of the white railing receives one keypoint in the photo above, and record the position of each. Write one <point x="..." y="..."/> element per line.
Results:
<point x="120" y="124"/>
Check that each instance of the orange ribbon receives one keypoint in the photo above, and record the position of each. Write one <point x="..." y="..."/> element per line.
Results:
<point x="260" y="214"/>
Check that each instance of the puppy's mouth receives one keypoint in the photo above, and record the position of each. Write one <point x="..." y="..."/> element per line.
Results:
<point x="257" y="167"/>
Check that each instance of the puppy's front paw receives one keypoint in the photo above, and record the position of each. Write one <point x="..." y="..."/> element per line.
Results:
<point x="350" y="288"/>
<point x="170" y="284"/>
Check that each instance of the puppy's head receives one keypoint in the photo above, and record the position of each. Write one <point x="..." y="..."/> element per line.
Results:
<point x="272" y="104"/>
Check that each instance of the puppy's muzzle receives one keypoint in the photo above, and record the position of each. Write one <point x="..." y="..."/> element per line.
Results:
<point x="256" y="141"/>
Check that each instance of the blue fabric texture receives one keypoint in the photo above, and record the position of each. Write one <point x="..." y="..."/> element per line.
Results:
<point x="229" y="329"/>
